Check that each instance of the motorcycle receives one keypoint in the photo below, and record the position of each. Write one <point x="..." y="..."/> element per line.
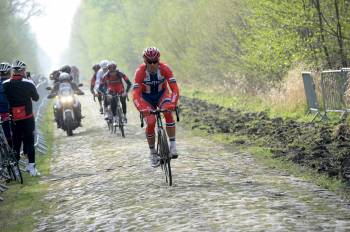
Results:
<point x="66" y="107"/>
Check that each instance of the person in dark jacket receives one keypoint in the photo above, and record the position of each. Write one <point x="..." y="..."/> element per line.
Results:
<point x="5" y="73"/>
<point x="58" y="110"/>
<point x="20" y="92"/>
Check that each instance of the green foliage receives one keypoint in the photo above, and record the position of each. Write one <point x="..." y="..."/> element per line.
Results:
<point x="246" y="43"/>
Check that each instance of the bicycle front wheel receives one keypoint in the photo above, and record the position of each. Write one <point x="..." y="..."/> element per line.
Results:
<point x="167" y="172"/>
<point x="165" y="157"/>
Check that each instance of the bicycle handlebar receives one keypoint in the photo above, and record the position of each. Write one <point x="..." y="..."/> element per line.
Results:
<point x="158" y="111"/>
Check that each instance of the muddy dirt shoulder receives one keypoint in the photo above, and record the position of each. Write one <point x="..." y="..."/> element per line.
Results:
<point x="323" y="147"/>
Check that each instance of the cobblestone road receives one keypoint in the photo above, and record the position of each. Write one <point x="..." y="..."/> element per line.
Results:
<point x="101" y="182"/>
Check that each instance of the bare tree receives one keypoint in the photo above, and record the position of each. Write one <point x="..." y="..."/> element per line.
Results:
<point x="26" y="9"/>
<point x="340" y="35"/>
<point x="322" y="31"/>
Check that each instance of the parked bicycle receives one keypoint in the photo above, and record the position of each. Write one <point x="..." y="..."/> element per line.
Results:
<point x="115" y="114"/>
<point x="163" y="151"/>
<point x="9" y="167"/>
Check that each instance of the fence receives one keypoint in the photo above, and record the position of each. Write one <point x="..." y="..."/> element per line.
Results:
<point x="332" y="92"/>
<point x="39" y="109"/>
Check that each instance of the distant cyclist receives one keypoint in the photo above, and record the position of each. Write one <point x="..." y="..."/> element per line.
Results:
<point x="99" y="76"/>
<point x="96" y="67"/>
<point x="152" y="80"/>
<point x="113" y="81"/>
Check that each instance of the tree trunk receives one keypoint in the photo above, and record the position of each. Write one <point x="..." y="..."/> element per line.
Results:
<point x="340" y="35"/>
<point x="323" y="40"/>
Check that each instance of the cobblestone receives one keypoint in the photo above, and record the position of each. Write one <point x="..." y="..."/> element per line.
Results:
<point x="102" y="182"/>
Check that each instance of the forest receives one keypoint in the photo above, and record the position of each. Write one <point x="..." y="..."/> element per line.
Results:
<point x="242" y="46"/>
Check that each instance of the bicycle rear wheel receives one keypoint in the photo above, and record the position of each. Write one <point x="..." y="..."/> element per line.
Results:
<point x="14" y="166"/>
<point x="4" y="174"/>
<point x="164" y="154"/>
<point x="120" y="120"/>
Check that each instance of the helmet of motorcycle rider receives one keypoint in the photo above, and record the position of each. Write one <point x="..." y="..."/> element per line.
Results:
<point x="5" y="68"/>
<point x="104" y="64"/>
<point x="19" y="66"/>
<point x="66" y="69"/>
<point x="64" y="77"/>
<point x="112" y="66"/>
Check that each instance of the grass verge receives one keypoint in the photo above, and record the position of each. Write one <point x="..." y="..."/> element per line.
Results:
<point x="23" y="203"/>
<point x="248" y="103"/>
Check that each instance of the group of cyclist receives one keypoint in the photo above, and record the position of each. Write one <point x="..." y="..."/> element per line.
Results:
<point x="154" y="87"/>
<point x="17" y="91"/>
<point x="109" y="80"/>
<point x="152" y="81"/>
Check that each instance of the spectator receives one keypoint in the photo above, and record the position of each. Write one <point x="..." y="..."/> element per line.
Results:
<point x="20" y="92"/>
<point x="5" y="73"/>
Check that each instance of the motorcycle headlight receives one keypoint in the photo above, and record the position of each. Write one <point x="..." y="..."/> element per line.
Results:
<point x="67" y="99"/>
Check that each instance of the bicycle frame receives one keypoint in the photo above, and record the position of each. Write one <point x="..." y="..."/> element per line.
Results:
<point x="117" y="99"/>
<point x="162" y="144"/>
<point x="118" y="113"/>
<point x="8" y="161"/>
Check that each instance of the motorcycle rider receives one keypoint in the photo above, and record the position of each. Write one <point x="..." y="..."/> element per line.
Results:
<point x="20" y="92"/>
<point x="65" y="78"/>
<point x="5" y="73"/>
<point x="113" y="82"/>
<point x="56" y="74"/>
<point x="75" y="74"/>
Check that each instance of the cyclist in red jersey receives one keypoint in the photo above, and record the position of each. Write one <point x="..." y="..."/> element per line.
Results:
<point x="151" y="90"/>
<point x="113" y="81"/>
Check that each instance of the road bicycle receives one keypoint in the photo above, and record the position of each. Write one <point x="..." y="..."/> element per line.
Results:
<point x="118" y="119"/>
<point x="163" y="151"/>
<point x="9" y="167"/>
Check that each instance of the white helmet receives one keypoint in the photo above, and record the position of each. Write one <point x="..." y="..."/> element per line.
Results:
<point x="64" y="77"/>
<point x="104" y="63"/>
<point x="19" y="65"/>
<point x="5" y="67"/>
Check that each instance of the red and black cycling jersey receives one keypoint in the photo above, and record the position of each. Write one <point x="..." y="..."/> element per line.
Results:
<point x="20" y="92"/>
<point x="114" y="83"/>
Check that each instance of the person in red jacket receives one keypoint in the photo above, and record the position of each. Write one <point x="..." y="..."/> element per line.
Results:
<point x="151" y="90"/>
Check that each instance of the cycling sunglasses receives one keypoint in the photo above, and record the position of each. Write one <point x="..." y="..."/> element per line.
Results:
<point x="152" y="61"/>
